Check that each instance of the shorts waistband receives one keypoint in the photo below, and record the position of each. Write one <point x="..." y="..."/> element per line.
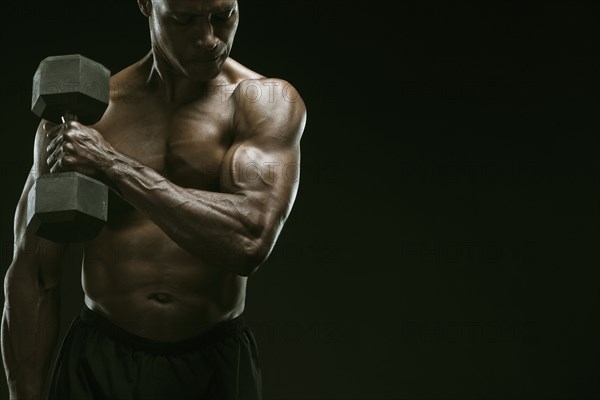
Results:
<point x="219" y="331"/>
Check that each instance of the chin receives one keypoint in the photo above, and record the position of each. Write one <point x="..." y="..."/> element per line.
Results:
<point x="202" y="73"/>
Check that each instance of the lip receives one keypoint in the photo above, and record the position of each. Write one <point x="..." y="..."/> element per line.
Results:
<point x="205" y="60"/>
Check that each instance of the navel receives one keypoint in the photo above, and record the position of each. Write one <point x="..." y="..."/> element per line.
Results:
<point x="162" y="298"/>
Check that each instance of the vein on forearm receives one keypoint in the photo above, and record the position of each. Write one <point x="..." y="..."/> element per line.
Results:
<point x="195" y="219"/>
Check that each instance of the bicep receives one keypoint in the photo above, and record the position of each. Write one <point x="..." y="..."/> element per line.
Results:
<point x="266" y="175"/>
<point x="262" y="167"/>
<point x="264" y="160"/>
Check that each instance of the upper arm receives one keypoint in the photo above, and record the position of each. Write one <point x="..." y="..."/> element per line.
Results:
<point x="22" y="239"/>
<point x="263" y="163"/>
<point x="35" y="257"/>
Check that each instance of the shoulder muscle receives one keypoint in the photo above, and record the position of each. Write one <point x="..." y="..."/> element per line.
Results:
<point x="269" y="108"/>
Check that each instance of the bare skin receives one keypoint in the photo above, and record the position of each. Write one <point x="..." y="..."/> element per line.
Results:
<point x="206" y="154"/>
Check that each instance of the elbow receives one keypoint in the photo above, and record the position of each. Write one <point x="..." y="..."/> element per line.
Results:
<point x="257" y="241"/>
<point x="254" y="247"/>
<point x="21" y="286"/>
<point x="254" y="255"/>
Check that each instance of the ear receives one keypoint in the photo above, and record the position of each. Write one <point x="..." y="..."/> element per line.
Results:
<point x="145" y="7"/>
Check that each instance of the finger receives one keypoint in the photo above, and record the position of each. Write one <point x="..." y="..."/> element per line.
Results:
<point x="71" y="124"/>
<point x="56" y="167"/>
<point x="67" y="162"/>
<point x="57" y="141"/>
<point x="61" y="163"/>
<point x="48" y="125"/>
<point x="53" y="131"/>
<point x="68" y="148"/>
<point x="56" y="156"/>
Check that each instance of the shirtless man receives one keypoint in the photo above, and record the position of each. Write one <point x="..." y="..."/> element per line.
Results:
<point x="206" y="152"/>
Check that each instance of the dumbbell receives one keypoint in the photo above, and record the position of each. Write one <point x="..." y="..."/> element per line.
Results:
<point x="68" y="207"/>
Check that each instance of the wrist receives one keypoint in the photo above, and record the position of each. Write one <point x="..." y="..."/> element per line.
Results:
<point x="110" y="163"/>
<point x="117" y="167"/>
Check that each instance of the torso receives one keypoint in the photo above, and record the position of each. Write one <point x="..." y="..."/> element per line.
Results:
<point x="133" y="273"/>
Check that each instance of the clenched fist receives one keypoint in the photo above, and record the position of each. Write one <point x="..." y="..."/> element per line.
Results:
<point x="76" y="147"/>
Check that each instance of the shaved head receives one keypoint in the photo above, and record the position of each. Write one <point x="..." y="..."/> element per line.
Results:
<point x="192" y="37"/>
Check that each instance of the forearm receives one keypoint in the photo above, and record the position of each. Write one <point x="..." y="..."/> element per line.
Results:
<point x="30" y="328"/>
<point x="219" y="228"/>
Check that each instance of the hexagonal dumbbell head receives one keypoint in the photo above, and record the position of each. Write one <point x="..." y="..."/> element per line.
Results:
<point x="67" y="207"/>
<point x="70" y="84"/>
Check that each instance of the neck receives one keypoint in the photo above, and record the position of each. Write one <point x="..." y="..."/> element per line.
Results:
<point x="173" y="84"/>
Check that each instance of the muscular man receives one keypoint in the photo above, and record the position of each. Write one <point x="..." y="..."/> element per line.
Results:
<point x="206" y="152"/>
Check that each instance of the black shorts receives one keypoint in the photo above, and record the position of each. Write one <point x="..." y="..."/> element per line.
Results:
<point x="99" y="360"/>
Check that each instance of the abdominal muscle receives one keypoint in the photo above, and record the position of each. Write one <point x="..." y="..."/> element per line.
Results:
<point x="139" y="279"/>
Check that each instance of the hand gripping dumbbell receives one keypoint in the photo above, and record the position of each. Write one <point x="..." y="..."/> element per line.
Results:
<point x="68" y="207"/>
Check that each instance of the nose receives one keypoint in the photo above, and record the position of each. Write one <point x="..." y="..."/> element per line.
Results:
<point x="205" y="37"/>
<point x="207" y="43"/>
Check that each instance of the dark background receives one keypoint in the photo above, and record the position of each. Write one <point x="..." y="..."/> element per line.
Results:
<point x="444" y="242"/>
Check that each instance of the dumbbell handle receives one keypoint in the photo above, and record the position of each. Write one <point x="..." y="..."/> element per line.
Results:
<point x="68" y="117"/>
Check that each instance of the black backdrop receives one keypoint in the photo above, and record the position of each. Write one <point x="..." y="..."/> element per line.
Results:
<point x="444" y="242"/>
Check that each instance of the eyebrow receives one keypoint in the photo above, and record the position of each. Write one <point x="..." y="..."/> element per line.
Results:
<point x="225" y="7"/>
<point x="217" y="9"/>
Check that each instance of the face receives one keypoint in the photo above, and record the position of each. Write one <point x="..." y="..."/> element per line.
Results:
<point x="192" y="37"/>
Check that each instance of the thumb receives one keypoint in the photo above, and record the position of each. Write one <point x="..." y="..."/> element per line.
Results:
<point x="48" y="125"/>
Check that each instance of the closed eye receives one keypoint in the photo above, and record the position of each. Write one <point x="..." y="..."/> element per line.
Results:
<point x="222" y="16"/>
<point x="182" y="19"/>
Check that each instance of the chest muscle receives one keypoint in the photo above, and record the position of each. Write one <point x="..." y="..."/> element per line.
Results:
<point x="186" y="145"/>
